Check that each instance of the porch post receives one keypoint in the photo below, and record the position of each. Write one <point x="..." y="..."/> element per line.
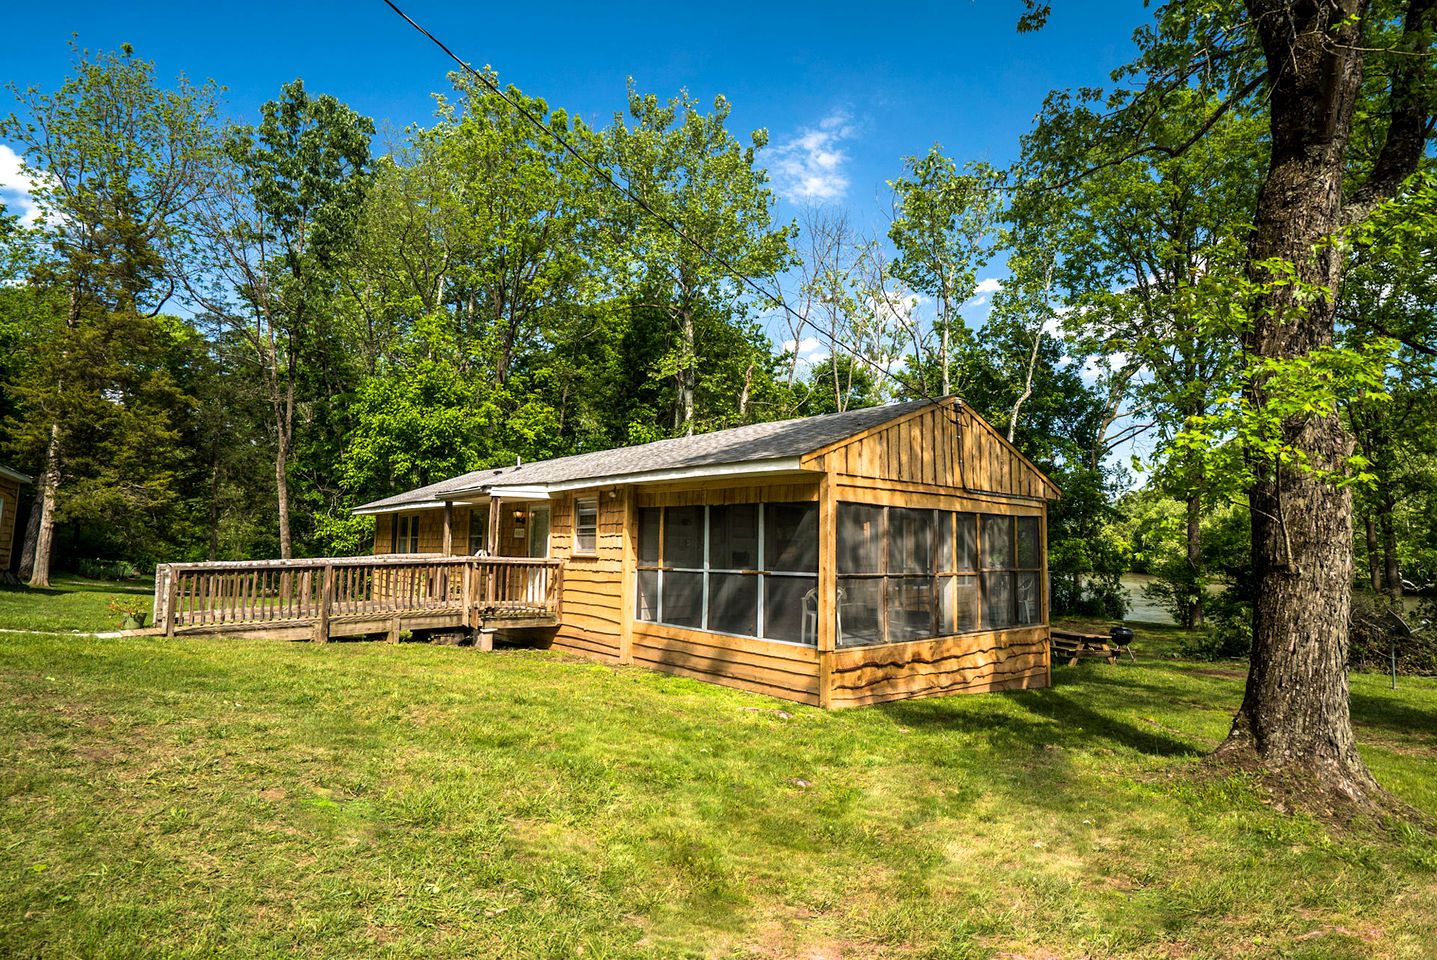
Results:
<point x="448" y="528"/>
<point x="827" y="587"/>
<point x="495" y="505"/>
<point x="629" y="573"/>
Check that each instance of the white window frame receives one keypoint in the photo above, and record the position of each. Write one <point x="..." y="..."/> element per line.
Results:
<point x="579" y="549"/>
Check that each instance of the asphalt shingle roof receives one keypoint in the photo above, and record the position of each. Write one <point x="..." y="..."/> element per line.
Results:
<point x="747" y="444"/>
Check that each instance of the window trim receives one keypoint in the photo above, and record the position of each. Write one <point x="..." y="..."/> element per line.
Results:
<point x="405" y="526"/>
<point x="479" y="514"/>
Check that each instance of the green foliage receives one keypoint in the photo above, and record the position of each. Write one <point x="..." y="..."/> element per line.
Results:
<point x="1250" y="433"/>
<point x="689" y="169"/>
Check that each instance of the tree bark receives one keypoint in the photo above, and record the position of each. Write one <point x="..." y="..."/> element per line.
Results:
<point x="1391" y="570"/>
<point x="49" y="486"/>
<point x="1027" y="385"/>
<point x="32" y="535"/>
<point x="1295" y="712"/>
<point x="1194" y="613"/>
<point x="281" y="486"/>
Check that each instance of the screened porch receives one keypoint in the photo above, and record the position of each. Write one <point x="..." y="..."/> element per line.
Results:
<point x="902" y="574"/>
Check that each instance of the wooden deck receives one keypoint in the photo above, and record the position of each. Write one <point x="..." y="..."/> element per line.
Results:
<point x="354" y="596"/>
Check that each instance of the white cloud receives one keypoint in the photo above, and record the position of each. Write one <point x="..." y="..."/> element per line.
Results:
<point x="16" y="186"/>
<point x="988" y="285"/>
<point x="811" y="165"/>
<point x="809" y="350"/>
<point x="1095" y="367"/>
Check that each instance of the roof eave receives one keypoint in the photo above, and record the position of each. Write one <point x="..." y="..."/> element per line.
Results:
<point x="539" y="491"/>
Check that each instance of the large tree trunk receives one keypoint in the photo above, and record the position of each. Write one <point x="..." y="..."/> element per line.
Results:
<point x="45" y="536"/>
<point x="32" y="535"/>
<point x="1294" y="717"/>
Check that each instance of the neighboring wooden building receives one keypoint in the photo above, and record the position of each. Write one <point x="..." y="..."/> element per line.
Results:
<point x="10" y="483"/>
<point x="840" y="560"/>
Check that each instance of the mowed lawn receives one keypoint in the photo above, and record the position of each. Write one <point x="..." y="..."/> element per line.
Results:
<point x="199" y="798"/>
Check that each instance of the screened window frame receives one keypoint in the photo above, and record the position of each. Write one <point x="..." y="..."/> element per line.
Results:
<point x="592" y="550"/>
<point x="945" y="521"/>
<point x="760" y="573"/>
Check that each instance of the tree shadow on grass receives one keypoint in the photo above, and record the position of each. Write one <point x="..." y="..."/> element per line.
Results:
<point x="1056" y="717"/>
<point x="27" y="590"/>
<point x="1394" y="717"/>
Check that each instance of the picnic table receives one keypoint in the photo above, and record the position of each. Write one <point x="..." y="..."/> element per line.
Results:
<point x="1074" y="646"/>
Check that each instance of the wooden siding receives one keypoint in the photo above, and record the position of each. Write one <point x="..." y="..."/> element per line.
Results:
<point x="939" y="447"/>
<point x="944" y="457"/>
<point x="971" y="663"/>
<point x="591" y="620"/>
<point x="689" y="495"/>
<point x="10" y="493"/>
<point x="431" y="530"/>
<point x="784" y="670"/>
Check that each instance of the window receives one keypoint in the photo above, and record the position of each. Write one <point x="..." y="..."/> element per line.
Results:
<point x="957" y="572"/>
<point x="997" y="550"/>
<point x="478" y="530"/>
<point x="907" y="574"/>
<point x="586" y="526"/>
<point x="405" y="533"/>
<point x="748" y="569"/>
<point x="1030" y="571"/>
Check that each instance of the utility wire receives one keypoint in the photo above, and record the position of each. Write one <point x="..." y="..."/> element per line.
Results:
<point x="718" y="258"/>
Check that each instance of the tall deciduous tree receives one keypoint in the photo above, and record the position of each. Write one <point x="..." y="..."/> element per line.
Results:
<point x="940" y="229"/>
<point x="1322" y="68"/>
<point x="282" y="216"/>
<point x="688" y="167"/>
<point x="1133" y="242"/>
<point x="119" y="162"/>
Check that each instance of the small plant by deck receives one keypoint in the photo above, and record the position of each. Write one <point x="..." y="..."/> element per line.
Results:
<point x="204" y="797"/>
<point x="130" y="612"/>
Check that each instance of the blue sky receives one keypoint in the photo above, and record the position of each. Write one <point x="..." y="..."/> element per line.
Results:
<point x="860" y="85"/>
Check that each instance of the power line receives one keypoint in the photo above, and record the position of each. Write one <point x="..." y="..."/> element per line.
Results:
<point x="642" y="204"/>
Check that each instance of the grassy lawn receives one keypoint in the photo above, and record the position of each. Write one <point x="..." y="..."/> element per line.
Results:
<point x="70" y="603"/>
<point x="201" y="798"/>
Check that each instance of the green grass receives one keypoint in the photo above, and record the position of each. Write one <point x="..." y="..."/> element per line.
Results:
<point x="198" y="798"/>
<point x="69" y="603"/>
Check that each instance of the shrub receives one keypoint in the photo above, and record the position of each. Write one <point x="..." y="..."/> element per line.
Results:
<point x="107" y="569"/>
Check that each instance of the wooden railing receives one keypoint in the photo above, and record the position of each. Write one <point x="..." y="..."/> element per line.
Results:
<point x="289" y="593"/>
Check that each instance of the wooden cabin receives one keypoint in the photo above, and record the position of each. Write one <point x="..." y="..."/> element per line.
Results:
<point x="839" y="560"/>
<point x="10" y="483"/>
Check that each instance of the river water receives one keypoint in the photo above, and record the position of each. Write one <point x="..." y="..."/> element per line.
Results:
<point x="1141" y="608"/>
